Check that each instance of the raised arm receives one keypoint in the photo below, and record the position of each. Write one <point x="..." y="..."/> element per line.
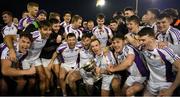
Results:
<point x="7" y="70"/>
<point x="8" y="40"/>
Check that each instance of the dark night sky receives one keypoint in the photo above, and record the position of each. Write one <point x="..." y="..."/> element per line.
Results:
<point x="86" y="8"/>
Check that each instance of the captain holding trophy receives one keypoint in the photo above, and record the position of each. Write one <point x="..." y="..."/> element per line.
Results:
<point x="93" y="63"/>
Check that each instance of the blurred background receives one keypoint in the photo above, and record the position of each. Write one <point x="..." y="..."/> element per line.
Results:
<point x="87" y="8"/>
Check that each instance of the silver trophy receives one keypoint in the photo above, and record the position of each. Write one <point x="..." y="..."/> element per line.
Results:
<point x="90" y="66"/>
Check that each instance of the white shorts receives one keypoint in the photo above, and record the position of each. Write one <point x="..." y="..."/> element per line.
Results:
<point x="87" y="77"/>
<point x="132" y="79"/>
<point x="155" y="87"/>
<point x="45" y="62"/>
<point x="106" y="82"/>
<point x="26" y="64"/>
<point x="68" y="67"/>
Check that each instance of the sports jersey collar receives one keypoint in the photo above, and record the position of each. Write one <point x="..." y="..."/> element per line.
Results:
<point x="65" y="23"/>
<point x="10" y="25"/>
<point x="85" y="48"/>
<point x="121" y="52"/>
<point x="72" y="27"/>
<point x="102" y="28"/>
<point x="155" y="47"/>
<point x="100" y="54"/>
<point x="167" y="32"/>
<point x="71" y="48"/>
<point x="154" y="24"/>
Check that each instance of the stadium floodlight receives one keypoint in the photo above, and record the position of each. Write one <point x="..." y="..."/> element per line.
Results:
<point x="100" y="3"/>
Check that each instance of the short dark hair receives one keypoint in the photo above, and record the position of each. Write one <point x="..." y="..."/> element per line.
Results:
<point x="134" y="18"/>
<point x="113" y="21"/>
<point x="100" y="16"/>
<point x="53" y="21"/>
<point x="8" y="13"/>
<point x="53" y="15"/>
<point x="172" y="12"/>
<point x="86" y="35"/>
<point x="146" y="31"/>
<point x="118" y="17"/>
<point x="163" y="15"/>
<point x="67" y="12"/>
<point x="119" y="13"/>
<point x="44" y="23"/>
<point x="155" y="11"/>
<point x="42" y="11"/>
<point x="27" y="35"/>
<point x="118" y="36"/>
<point x="70" y="35"/>
<point x="129" y="9"/>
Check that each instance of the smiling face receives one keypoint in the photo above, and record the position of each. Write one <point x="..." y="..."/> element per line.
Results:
<point x="45" y="32"/>
<point x="100" y="22"/>
<point x="163" y="24"/>
<point x="86" y="42"/>
<point x="24" y="44"/>
<point x="146" y="41"/>
<point x="71" y="41"/>
<point x="114" y="26"/>
<point x="56" y="27"/>
<point x="41" y="17"/>
<point x="67" y="17"/>
<point x="118" y="44"/>
<point x="96" y="47"/>
<point x="132" y="26"/>
<point x="7" y="18"/>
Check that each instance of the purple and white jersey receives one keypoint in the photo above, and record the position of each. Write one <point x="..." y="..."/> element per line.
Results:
<point x="64" y="24"/>
<point x="4" y="51"/>
<point x="69" y="56"/>
<point x="9" y="30"/>
<point x="102" y="34"/>
<point x="103" y="61"/>
<point x="24" y="22"/>
<point x="36" y="47"/>
<point x="134" y="70"/>
<point x="172" y="35"/>
<point x="157" y="60"/>
<point x="70" y="29"/>
<point x="85" y="56"/>
<point x="154" y="26"/>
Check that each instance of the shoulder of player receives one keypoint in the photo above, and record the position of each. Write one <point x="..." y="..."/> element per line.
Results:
<point x="63" y="46"/>
<point x="4" y="48"/>
<point x="95" y="28"/>
<point x="79" y="44"/>
<point x="167" y="51"/>
<point x="175" y="31"/>
<point x="106" y="27"/>
<point x="67" y="28"/>
<point x="128" y="47"/>
<point x="35" y="34"/>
